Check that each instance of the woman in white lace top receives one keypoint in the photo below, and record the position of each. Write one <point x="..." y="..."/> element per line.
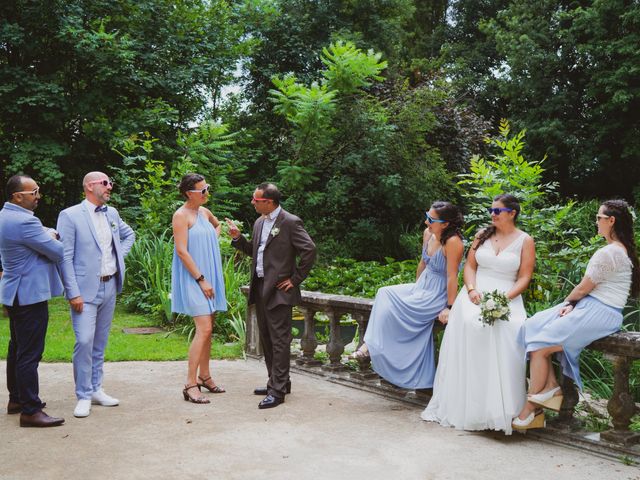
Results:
<point x="591" y="311"/>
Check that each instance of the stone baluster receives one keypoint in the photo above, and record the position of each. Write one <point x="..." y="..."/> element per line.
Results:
<point x="570" y="399"/>
<point x="621" y="406"/>
<point x="308" y="341"/>
<point x="252" y="335"/>
<point x="335" y="347"/>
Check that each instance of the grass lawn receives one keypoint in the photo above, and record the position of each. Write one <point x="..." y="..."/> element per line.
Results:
<point x="121" y="347"/>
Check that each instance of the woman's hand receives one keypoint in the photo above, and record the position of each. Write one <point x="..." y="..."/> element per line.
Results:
<point x="206" y="288"/>
<point x="565" y="310"/>
<point x="475" y="296"/>
<point x="443" y="317"/>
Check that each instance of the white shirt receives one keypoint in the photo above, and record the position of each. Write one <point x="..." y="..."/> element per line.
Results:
<point x="267" y="225"/>
<point x="108" y="263"/>
<point x="610" y="269"/>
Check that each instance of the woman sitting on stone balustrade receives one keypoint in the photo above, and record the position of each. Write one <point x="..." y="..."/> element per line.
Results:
<point x="591" y="311"/>
<point x="399" y="334"/>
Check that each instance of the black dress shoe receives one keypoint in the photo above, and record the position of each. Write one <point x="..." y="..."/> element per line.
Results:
<point x="270" y="401"/>
<point x="39" y="420"/>
<point x="262" y="391"/>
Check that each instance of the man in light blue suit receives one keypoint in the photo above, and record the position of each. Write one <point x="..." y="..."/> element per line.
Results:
<point x="95" y="240"/>
<point x="29" y="279"/>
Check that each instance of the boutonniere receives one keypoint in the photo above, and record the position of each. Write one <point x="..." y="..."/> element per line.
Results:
<point x="275" y="231"/>
<point x="113" y="226"/>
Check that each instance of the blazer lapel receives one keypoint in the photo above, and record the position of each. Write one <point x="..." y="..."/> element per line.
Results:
<point x="257" y="234"/>
<point x="87" y="217"/>
<point x="276" y="224"/>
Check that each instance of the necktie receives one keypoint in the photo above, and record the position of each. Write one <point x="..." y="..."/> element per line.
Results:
<point x="101" y="209"/>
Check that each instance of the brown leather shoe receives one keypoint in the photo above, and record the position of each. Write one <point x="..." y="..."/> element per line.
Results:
<point x="40" y="419"/>
<point x="13" y="408"/>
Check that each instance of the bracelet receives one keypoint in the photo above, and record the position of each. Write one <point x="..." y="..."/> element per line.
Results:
<point x="449" y="306"/>
<point x="200" y="279"/>
<point x="470" y="288"/>
<point x="573" y="303"/>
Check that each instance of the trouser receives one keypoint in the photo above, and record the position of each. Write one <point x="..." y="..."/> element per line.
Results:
<point x="28" y="329"/>
<point x="91" y="328"/>
<point x="274" y="325"/>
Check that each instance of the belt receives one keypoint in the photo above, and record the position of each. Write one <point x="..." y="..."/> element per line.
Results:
<point x="106" y="278"/>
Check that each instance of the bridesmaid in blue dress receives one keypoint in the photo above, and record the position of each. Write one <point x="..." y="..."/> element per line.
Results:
<point x="591" y="311"/>
<point x="399" y="336"/>
<point x="197" y="281"/>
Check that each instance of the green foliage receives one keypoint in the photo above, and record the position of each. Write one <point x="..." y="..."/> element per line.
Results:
<point x="360" y="279"/>
<point x="76" y="76"/>
<point x="349" y="70"/>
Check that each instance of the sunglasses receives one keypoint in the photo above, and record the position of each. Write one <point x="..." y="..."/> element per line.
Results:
<point x="256" y="199"/>
<point x="104" y="183"/>
<point x="202" y="191"/>
<point x="497" y="211"/>
<point x="33" y="192"/>
<point x="430" y="219"/>
<point x="600" y="217"/>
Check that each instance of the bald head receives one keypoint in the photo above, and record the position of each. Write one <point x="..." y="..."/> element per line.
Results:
<point x="97" y="187"/>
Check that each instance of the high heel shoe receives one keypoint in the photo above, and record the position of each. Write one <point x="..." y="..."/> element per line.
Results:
<point x="214" y="389"/>
<point x="534" y="420"/>
<point x="189" y="398"/>
<point x="547" y="399"/>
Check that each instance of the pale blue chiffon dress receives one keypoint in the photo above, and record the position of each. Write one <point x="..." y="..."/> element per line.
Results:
<point x="597" y="315"/>
<point x="400" y="330"/>
<point x="186" y="295"/>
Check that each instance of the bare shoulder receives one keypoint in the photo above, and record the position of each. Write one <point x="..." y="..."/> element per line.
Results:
<point x="528" y="239"/>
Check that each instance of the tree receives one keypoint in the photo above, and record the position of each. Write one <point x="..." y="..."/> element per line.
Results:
<point x="78" y="75"/>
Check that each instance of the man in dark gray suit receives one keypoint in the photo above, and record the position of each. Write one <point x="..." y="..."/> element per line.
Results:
<point x="278" y="238"/>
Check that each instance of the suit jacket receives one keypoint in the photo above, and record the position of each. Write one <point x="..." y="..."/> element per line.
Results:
<point x="82" y="253"/>
<point x="279" y="258"/>
<point x="29" y="258"/>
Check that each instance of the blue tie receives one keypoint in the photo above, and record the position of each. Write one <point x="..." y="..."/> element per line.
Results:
<point x="101" y="209"/>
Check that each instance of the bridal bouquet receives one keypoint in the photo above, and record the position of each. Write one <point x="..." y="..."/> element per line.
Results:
<point x="494" y="306"/>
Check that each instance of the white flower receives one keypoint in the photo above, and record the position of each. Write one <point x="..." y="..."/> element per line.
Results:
<point x="496" y="314"/>
<point x="490" y="305"/>
<point x="113" y="226"/>
<point x="275" y="231"/>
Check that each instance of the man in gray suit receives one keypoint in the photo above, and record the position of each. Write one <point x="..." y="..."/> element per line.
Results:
<point x="278" y="237"/>
<point x="95" y="240"/>
<point x="29" y="279"/>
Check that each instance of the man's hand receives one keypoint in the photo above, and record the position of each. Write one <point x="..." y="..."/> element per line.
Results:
<point x="234" y="231"/>
<point x="52" y="233"/>
<point x="76" y="304"/>
<point x="285" y="285"/>
<point x="565" y="310"/>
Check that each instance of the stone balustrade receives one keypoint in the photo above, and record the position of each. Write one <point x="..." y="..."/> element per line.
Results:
<point x="621" y="348"/>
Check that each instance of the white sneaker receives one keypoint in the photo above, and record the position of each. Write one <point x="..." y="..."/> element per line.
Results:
<point x="83" y="409"/>
<point x="101" y="398"/>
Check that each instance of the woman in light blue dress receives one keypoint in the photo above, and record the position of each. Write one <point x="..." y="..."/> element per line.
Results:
<point x="399" y="336"/>
<point x="591" y="311"/>
<point x="197" y="281"/>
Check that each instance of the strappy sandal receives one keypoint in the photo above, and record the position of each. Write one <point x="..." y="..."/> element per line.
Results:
<point x="189" y="398"/>
<point x="214" y="389"/>
<point x="360" y="354"/>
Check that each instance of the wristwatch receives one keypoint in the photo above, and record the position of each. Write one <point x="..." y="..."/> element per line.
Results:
<point x="200" y="279"/>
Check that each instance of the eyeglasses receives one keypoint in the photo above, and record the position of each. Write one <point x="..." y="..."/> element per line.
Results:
<point x="430" y="219"/>
<point x="33" y="192"/>
<point x="256" y="199"/>
<point x="599" y="217"/>
<point x="202" y="191"/>
<point x="104" y="183"/>
<point x="497" y="211"/>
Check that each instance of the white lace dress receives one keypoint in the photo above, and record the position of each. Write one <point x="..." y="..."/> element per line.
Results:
<point x="595" y="316"/>
<point x="480" y="379"/>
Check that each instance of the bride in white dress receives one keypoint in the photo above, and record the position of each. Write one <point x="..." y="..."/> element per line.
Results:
<point x="480" y="379"/>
